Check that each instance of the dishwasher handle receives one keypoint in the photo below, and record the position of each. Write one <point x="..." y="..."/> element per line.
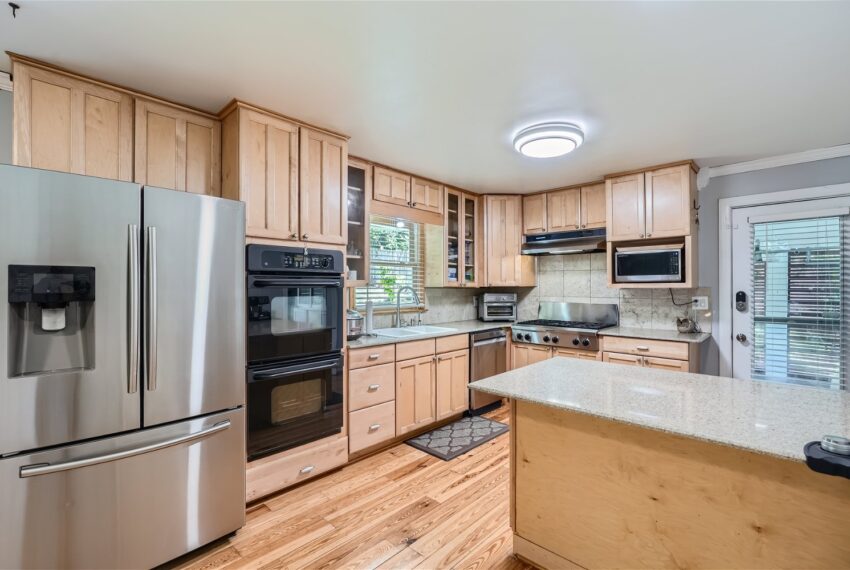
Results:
<point x="502" y="340"/>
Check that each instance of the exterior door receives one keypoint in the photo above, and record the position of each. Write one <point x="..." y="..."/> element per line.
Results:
<point x="194" y="297"/>
<point x="324" y="187"/>
<point x="414" y="394"/>
<point x="789" y="292"/>
<point x="80" y="381"/>
<point x="626" y="204"/>
<point x="563" y="210"/>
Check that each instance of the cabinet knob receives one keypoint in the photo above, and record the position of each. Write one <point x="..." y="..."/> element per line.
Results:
<point x="584" y="225"/>
<point x="308" y="469"/>
<point x="304" y="236"/>
<point x="374" y="356"/>
<point x="640" y="235"/>
<point x="293" y="235"/>
<point x="648" y="235"/>
<point x="374" y="427"/>
<point x="373" y="387"/>
<point x="413" y="204"/>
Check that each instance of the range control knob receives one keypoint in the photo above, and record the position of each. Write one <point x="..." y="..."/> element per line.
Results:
<point x="526" y="336"/>
<point x="555" y="339"/>
<point x="575" y="342"/>
<point x="546" y="338"/>
<point x="585" y="342"/>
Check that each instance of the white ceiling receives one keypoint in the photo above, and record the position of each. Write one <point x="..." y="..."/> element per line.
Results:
<point x="440" y="88"/>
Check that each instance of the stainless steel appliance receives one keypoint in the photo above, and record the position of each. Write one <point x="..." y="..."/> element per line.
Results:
<point x="121" y="351"/>
<point x="497" y="307"/>
<point x="649" y="264"/>
<point x="563" y="243"/>
<point x="488" y="357"/>
<point x="295" y="363"/>
<point x="353" y="324"/>
<point x="568" y="325"/>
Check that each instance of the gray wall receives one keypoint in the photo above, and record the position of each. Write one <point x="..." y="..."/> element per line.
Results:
<point x="807" y="175"/>
<point x="5" y="127"/>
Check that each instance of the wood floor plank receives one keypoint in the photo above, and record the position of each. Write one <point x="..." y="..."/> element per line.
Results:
<point x="398" y="509"/>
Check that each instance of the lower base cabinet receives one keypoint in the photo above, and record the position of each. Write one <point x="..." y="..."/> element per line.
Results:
<point x="525" y="354"/>
<point x="452" y="379"/>
<point x="415" y="393"/>
<point x="371" y="426"/>
<point x="649" y="353"/>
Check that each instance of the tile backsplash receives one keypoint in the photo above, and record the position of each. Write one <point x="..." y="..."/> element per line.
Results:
<point x="568" y="278"/>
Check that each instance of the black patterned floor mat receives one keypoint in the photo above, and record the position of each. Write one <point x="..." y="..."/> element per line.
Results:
<point x="457" y="438"/>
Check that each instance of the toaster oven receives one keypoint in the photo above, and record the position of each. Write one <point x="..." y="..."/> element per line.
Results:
<point x="497" y="307"/>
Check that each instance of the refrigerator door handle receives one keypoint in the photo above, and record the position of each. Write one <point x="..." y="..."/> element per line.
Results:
<point x="134" y="301"/>
<point x="48" y="468"/>
<point x="150" y="307"/>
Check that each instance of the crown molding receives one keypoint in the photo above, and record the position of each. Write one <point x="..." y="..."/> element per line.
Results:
<point x="707" y="173"/>
<point x="5" y="81"/>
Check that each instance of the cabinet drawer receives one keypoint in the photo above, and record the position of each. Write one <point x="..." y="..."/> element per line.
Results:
<point x="415" y="349"/>
<point x="624" y="359"/>
<point x="371" y="356"/>
<point x="371" y="386"/>
<point x="645" y="347"/>
<point x="451" y="343"/>
<point x="666" y="364"/>
<point x="371" y="426"/>
<point x="276" y="472"/>
<point x="582" y="354"/>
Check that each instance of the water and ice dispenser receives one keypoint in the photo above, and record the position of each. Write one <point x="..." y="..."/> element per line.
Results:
<point x="51" y="318"/>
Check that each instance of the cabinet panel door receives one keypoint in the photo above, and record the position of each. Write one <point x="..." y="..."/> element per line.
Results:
<point x="268" y="174"/>
<point x="625" y="359"/>
<point x="563" y="210"/>
<point x="71" y="125"/>
<point x="580" y="354"/>
<point x="471" y="239"/>
<point x="427" y="195"/>
<point x="390" y="186"/>
<point x="668" y="202"/>
<point x="505" y="265"/>
<point x="525" y="354"/>
<point x="452" y="381"/>
<point x="177" y="149"/>
<point x="593" y="206"/>
<point x="534" y="214"/>
<point x="625" y="207"/>
<point x="415" y="406"/>
<point x="324" y="187"/>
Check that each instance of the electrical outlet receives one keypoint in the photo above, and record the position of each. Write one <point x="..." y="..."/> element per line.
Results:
<point x="700" y="303"/>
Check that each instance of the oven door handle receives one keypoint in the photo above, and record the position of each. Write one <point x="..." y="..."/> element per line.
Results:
<point x="297" y="282"/>
<point x="290" y="370"/>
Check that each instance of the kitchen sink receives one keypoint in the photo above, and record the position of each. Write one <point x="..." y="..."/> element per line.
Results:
<point x="405" y="332"/>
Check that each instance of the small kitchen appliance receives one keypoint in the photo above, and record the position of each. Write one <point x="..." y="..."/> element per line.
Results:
<point x="497" y="307"/>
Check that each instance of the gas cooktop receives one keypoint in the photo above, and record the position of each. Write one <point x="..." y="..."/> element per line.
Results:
<point x="564" y="324"/>
<point x="576" y="328"/>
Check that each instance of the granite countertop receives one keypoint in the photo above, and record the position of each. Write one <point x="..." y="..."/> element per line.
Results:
<point x="765" y="417"/>
<point x="458" y="327"/>
<point x="656" y="334"/>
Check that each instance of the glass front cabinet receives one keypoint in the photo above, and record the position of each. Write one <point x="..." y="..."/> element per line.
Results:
<point x="453" y="249"/>
<point x="357" y="249"/>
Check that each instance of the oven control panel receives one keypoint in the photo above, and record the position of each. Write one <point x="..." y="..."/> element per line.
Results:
<point x="293" y="259"/>
<point x="555" y="337"/>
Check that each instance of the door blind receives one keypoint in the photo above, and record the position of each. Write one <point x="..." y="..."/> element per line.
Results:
<point x="396" y="259"/>
<point x="799" y="277"/>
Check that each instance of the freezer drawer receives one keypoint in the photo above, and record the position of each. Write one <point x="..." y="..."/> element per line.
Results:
<point x="64" y="508"/>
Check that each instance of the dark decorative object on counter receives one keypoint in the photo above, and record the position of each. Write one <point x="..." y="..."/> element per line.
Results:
<point x="836" y="462"/>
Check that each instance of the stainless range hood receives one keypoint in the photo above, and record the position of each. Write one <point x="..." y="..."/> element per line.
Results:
<point x="564" y="243"/>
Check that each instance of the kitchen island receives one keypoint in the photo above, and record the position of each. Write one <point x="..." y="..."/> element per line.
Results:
<point x="621" y="467"/>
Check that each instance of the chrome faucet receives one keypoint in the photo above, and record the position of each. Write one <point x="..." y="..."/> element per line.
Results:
<point x="398" y="304"/>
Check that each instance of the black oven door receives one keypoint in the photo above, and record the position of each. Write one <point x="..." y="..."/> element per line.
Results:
<point x="293" y="404"/>
<point x="293" y="317"/>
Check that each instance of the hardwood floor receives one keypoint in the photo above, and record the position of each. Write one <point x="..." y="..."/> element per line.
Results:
<point x="398" y="509"/>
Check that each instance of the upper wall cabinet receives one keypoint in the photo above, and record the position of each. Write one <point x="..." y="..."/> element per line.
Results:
<point x="505" y="266"/>
<point x="66" y="123"/>
<point x="580" y="207"/>
<point x="177" y="148"/>
<point x="391" y="187"/>
<point x="452" y="249"/>
<point x="426" y="195"/>
<point x="260" y="167"/>
<point x="657" y="203"/>
<point x="323" y="194"/>
<point x="292" y="178"/>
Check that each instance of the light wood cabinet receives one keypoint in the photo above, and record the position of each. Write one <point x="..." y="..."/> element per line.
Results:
<point x="391" y="186"/>
<point x="563" y="210"/>
<point x="452" y="250"/>
<point x="666" y="364"/>
<point x="323" y="161"/>
<point x="371" y="426"/>
<point x="625" y="359"/>
<point x="593" y="206"/>
<point x="177" y="148"/>
<point x="260" y="168"/>
<point x="525" y="354"/>
<point x="574" y="353"/>
<point x="415" y="393"/>
<point x="452" y="379"/>
<point x="66" y="123"/>
<point x="650" y="353"/>
<point x="292" y="178"/>
<point x="426" y="195"/>
<point x="654" y="204"/>
<point x="534" y="214"/>
<point x="359" y="199"/>
<point x="505" y="266"/>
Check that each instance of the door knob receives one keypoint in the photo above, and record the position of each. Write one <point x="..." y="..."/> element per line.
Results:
<point x="741" y="337"/>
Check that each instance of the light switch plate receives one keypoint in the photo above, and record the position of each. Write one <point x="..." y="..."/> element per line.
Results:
<point x="700" y="303"/>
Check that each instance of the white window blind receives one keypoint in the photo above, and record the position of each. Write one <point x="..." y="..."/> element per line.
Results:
<point x="396" y="259"/>
<point x="799" y="308"/>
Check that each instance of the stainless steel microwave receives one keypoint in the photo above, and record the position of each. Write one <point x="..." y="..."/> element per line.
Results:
<point x="652" y="264"/>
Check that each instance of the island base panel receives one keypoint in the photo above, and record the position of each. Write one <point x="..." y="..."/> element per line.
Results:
<point x="603" y="494"/>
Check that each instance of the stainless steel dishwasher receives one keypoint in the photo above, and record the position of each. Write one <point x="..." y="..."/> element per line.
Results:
<point x="489" y="357"/>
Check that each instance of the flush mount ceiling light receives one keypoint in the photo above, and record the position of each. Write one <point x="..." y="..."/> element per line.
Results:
<point x="547" y="140"/>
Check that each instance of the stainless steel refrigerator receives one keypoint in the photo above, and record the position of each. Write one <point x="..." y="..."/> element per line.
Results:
<point x="122" y="371"/>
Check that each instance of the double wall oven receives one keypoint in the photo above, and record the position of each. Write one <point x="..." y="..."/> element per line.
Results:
<point x="295" y="362"/>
